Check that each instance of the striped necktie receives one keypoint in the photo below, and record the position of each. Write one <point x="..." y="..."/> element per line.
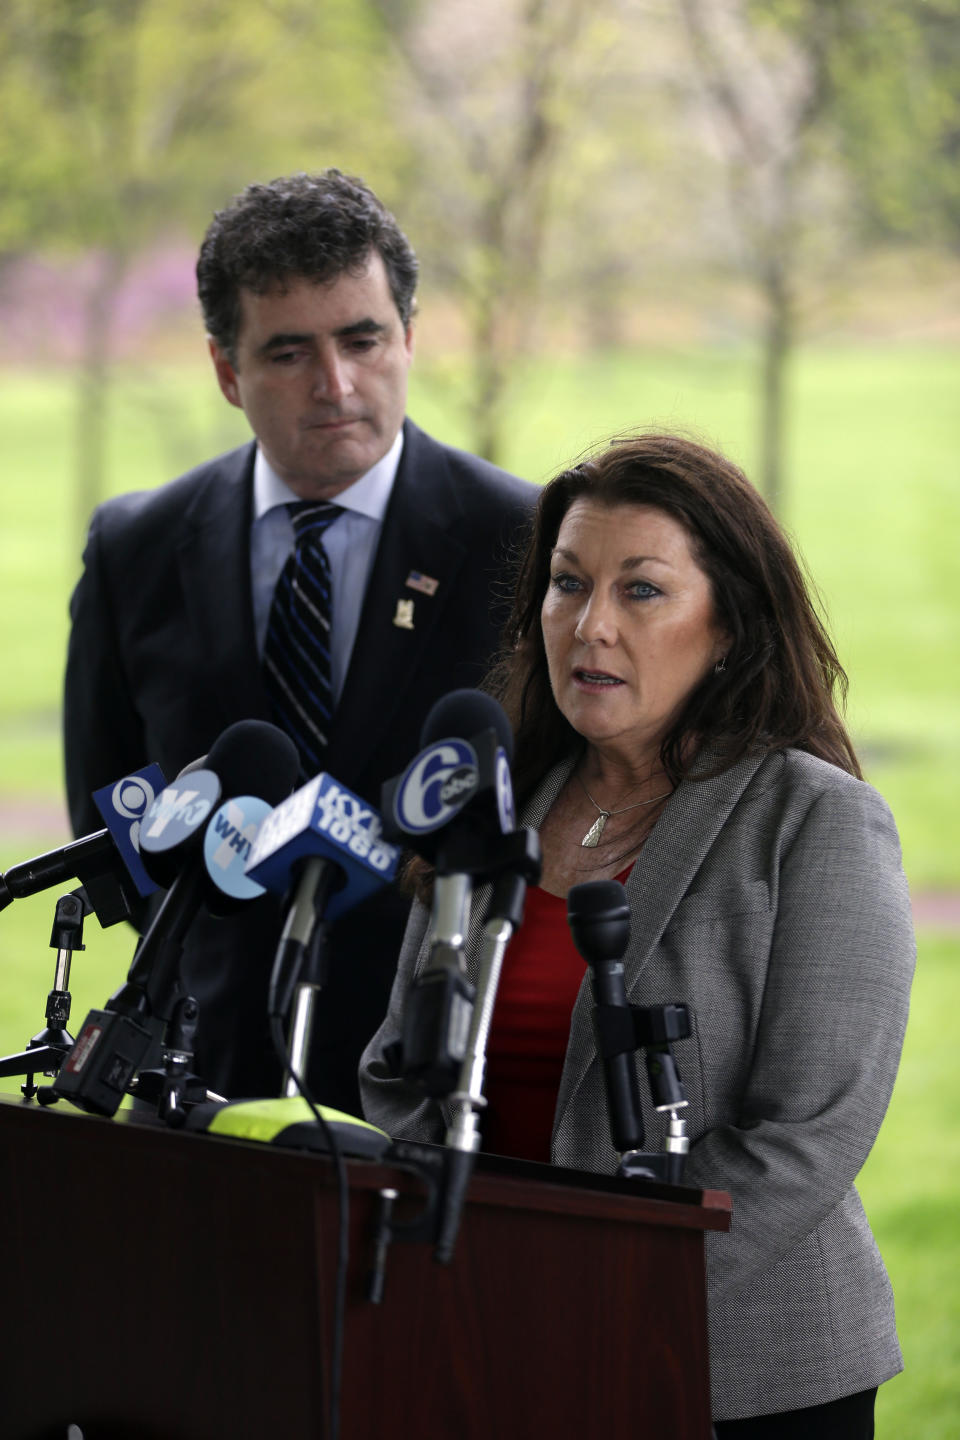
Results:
<point x="296" y="653"/>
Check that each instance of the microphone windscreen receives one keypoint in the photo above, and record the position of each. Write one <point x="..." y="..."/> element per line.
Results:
<point x="199" y="764"/>
<point x="464" y="713"/>
<point x="598" y="913"/>
<point x="253" y="757"/>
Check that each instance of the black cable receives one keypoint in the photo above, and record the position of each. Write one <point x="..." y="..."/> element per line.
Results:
<point x="343" y="1229"/>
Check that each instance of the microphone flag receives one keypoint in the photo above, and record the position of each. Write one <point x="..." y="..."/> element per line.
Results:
<point x="324" y="818"/>
<point x="123" y="807"/>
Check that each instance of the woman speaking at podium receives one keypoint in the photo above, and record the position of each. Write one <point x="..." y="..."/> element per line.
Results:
<point x="672" y="692"/>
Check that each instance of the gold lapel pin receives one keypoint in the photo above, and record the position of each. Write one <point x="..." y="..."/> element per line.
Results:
<point x="404" y="616"/>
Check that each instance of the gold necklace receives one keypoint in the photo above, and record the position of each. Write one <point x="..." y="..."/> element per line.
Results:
<point x="592" y="837"/>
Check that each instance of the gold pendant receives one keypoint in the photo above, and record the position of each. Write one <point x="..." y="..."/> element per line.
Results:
<point x="592" y="837"/>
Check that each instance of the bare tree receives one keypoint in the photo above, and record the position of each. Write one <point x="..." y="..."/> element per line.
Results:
<point x="490" y="102"/>
<point x="767" y="87"/>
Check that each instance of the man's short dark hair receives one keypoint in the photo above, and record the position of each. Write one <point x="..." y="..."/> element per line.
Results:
<point x="300" y="227"/>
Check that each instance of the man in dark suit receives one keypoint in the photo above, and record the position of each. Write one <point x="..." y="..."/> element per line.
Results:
<point x="307" y="289"/>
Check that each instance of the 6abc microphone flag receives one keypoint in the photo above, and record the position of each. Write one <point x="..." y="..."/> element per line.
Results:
<point x="453" y="806"/>
<point x="451" y="773"/>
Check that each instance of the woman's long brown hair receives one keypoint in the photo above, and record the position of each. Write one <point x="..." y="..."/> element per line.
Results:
<point x="782" y="684"/>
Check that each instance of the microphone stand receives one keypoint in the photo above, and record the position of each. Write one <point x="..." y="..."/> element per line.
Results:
<point x="446" y="1169"/>
<point x="172" y="1085"/>
<point x="305" y="960"/>
<point x="599" y="918"/>
<point x="47" y="1050"/>
<point x="149" y="1007"/>
<point x="153" y="985"/>
<point x="622" y="1031"/>
<point x="504" y="917"/>
<point x="300" y="1035"/>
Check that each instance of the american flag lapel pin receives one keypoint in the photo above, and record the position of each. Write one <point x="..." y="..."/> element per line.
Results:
<point x="426" y="584"/>
<point x="403" y="619"/>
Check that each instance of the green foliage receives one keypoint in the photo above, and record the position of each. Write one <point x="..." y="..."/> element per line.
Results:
<point x="891" y="106"/>
<point x="896" y="100"/>
<point x="119" y="118"/>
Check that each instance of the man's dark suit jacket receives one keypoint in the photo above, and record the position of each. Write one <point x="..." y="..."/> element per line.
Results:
<point x="162" y="657"/>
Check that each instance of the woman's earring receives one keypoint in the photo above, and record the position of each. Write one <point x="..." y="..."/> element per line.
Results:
<point x="720" y="666"/>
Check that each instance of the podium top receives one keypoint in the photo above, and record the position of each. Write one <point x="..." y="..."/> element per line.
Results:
<point x="521" y="1185"/>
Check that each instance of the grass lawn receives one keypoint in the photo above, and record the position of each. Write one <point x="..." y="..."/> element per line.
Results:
<point x="873" y="502"/>
<point x="910" y="1188"/>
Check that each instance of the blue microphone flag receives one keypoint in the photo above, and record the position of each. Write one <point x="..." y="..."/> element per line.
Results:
<point x="123" y="807"/>
<point x="324" y="818"/>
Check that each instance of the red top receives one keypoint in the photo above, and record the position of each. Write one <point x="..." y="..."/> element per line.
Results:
<point x="541" y="976"/>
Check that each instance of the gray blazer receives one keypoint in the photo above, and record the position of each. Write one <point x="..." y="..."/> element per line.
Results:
<point x="770" y="898"/>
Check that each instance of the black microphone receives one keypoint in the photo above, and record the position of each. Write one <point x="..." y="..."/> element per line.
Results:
<point x="250" y="755"/>
<point x="107" y="862"/>
<point x="456" y="795"/>
<point x="599" y="917"/>
<point x="250" y="758"/>
<point x="452" y="805"/>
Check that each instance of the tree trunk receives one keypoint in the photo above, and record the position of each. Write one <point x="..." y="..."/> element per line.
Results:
<point x="93" y="385"/>
<point x="777" y="344"/>
<point x="488" y="389"/>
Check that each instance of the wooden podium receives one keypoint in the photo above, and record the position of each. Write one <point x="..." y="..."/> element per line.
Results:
<point x="167" y="1286"/>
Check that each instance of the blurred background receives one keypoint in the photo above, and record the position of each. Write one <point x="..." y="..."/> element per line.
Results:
<point x="739" y="219"/>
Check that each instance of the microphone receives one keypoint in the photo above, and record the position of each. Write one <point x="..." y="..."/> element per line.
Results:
<point x="324" y="847"/>
<point x="453" y="805"/>
<point x="453" y="777"/>
<point x="107" y="862"/>
<point x="173" y="824"/>
<point x="599" y="917"/>
<point x="227" y="844"/>
<point x="251" y="754"/>
<point x="123" y="806"/>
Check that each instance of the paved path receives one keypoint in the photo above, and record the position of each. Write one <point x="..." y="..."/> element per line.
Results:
<point x="35" y="821"/>
<point x="31" y="816"/>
